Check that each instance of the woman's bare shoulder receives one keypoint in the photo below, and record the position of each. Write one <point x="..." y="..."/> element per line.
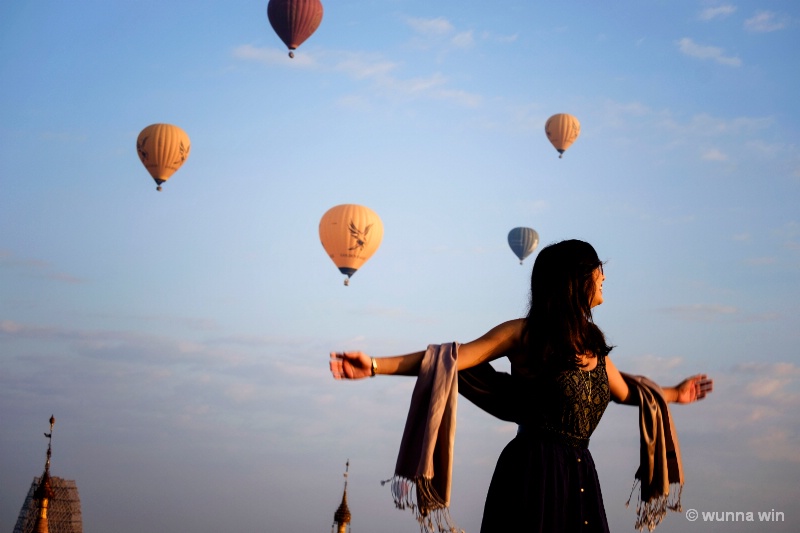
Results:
<point x="515" y="324"/>
<point x="511" y="329"/>
<point x="497" y="342"/>
<point x="510" y="333"/>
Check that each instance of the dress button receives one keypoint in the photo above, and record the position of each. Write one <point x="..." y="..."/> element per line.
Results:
<point x="581" y="490"/>
<point x="586" y="522"/>
<point x="579" y="459"/>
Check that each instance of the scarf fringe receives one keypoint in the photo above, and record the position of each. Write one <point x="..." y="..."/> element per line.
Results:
<point x="421" y="498"/>
<point x="650" y="513"/>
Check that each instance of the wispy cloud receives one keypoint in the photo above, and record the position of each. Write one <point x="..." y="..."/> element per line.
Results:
<point x="372" y="68"/>
<point x="705" y="313"/>
<point x="764" y="387"/>
<point x="500" y="38"/>
<point x="535" y="207"/>
<point x="776" y="445"/>
<point x="654" y="366"/>
<point x="767" y="149"/>
<point x="114" y="345"/>
<point x="11" y="328"/>
<point x="434" y="86"/>
<point x="717" y="12"/>
<point x="363" y="66"/>
<point x="765" y="22"/>
<point x="35" y="268"/>
<point x="625" y="115"/>
<point x="701" y="312"/>
<point x="438" y="32"/>
<point x="273" y="56"/>
<point x="760" y="261"/>
<point x="728" y="140"/>
<point x="705" y="125"/>
<point x="771" y="380"/>
<point x="63" y="136"/>
<point x="790" y="235"/>
<point x="713" y="154"/>
<point x="430" y="26"/>
<point x="464" y="39"/>
<point x="757" y="401"/>
<point x="688" y="47"/>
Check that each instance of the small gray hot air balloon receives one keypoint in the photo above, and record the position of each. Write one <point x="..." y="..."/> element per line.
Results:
<point x="523" y="241"/>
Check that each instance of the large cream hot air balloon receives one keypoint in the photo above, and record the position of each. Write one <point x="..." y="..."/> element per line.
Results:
<point x="350" y="234"/>
<point x="162" y="149"/>
<point x="562" y="130"/>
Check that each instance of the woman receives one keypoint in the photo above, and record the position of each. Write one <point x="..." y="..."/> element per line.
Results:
<point x="561" y="382"/>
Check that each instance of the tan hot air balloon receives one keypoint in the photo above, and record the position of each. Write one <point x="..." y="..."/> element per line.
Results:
<point x="562" y="130"/>
<point x="162" y="148"/>
<point x="350" y="234"/>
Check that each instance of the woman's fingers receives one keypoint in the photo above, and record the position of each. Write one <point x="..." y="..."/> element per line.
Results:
<point x="347" y="365"/>
<point x="703" y="386"/>
<point x="337" y="365"/>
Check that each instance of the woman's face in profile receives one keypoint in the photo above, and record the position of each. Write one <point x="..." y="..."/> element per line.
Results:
<point x="598" y="276"/>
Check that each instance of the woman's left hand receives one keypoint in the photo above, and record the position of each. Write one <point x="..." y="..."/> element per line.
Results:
<point x="350" y="365"/>
<point x="694" y="388"/>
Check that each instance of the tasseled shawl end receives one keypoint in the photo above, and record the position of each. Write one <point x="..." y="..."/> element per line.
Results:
<point x="421" y="480"/>
<point x="419" y="495"/>
<point x="651" y="511"/>
<point x="660" y="472"/>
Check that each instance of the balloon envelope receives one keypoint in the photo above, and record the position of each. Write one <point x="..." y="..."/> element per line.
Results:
<point x="562" y="129"/>
<point x="523" y="241"/>
<point x="294" y="20"/>
<point x="162" y="149"/>
<point x="350" y="235"/>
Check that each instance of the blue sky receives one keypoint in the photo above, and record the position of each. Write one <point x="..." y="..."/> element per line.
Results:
<point x="181" y="338"/>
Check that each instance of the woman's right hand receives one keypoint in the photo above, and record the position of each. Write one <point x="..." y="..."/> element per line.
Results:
<point x="350" y="365"/>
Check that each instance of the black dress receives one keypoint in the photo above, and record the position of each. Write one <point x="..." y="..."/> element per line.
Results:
<point x="545" y="479"/>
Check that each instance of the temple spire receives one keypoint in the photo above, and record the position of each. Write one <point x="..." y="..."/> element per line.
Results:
<point x="44" y="492"/>
<point x="341" y="518"/>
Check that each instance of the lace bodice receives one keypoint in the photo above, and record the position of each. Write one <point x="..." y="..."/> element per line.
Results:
<point x="569" y="403"/>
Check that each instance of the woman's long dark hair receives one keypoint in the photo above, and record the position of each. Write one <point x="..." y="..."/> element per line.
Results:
<point x="559" y="328"/>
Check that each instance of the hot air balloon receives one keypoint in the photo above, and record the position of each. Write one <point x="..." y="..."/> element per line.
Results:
<point x="294" y="20"/>
<point x="350" y="234"/>
<point x="162" y="149"/>
<point x="523" y="241"/>
<point x="562" y="130"/>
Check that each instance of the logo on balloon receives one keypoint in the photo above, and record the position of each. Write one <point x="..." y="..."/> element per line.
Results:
<point x="359" y="236"/>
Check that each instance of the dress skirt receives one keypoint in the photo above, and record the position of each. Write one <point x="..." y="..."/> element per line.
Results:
<point x="543" y="485"/>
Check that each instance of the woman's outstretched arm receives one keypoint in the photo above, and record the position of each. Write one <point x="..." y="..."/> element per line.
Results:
<point x="490" y="346"/>
<point x="689" y="390"/>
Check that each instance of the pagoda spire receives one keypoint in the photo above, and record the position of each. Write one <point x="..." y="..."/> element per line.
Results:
<point x="341" y="518"/>
<point x="44" y="492"/>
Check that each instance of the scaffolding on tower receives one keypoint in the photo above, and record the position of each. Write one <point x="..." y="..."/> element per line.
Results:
<point x="52" y="504"/>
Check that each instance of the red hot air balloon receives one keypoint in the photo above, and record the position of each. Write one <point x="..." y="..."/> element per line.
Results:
<point x="294" y="20"/>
